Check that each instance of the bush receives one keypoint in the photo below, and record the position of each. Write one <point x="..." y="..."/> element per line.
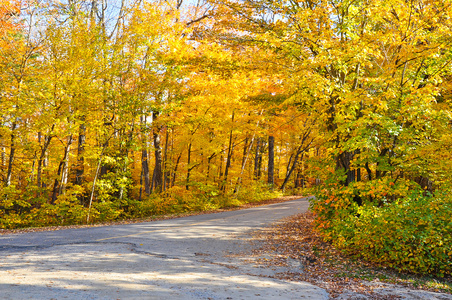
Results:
<point x="412" y="234"/>
<point x="256" y="192"/>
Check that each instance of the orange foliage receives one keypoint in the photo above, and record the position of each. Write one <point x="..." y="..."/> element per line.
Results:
<point x="8" y="9"/>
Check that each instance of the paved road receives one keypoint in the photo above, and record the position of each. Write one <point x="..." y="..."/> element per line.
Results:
<point x="187" y="258"/>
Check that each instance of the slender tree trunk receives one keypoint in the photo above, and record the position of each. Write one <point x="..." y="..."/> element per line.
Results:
<point x="64" y="176"/>
<point x="141" y="186"/>
<point x="246" y="153"/>
<point x="165" y="162"/>
<point x="125" y="154"/>
<point x="256" y="159"/>
<point x="57" y="186"/>
<point x="271" y="160"/>
<point x="42" y="157"/>
<point x="80" y="168"/>
<point x="188" y="167"/>
<point x="158" y="175"/>
<point x="144" y="158"/>
<point x="261" y="152"/>
<point x="289" y="163"/>
<point x="209" y="160"/>
<point x="3" y="155"/>
<point x="145" y="171"/>
<point x="173" y="179"/>
<point x="191" y="166"/>
<point x="228" y="159"/>
<point x="31" y="178"/>
<point x="11" y="154"/>
<point x="220" y="169"/>
<point x="291" y="169"/>
<point x="93" y="188"/>
<point x="368" y="170"/>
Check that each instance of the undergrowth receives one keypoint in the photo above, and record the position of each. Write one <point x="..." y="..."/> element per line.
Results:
<point x="410" y="234"/>
<point x="19" y="211"/>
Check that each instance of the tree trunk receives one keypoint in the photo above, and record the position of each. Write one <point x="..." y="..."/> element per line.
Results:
<point x="246" y="152"/>
<point x="11" y="155"/>
<point x="41" y="160"/>
<point x="292" y="168"/>
<point x="228" y="160"/>
<point x="3" y="155"/>
<point x="145" y="171"/>
<point x="256" y="159"/>
<point x="343" y="161"/>
<point x="157" y="178"/>
<point x="220" y="169"/>
<point x="173" y="179"/>
<point x="271" y="160"/>
<point x="209" y="160"/>
<point x="141" y="186"/>
<point x="188" y="167"/>
<point x="144" y="158"/>
<point x="299" y="180"/>
<point x="62" y="169"/>
<point x="124" y="152"/>
<point x="80" y="169"/>
<point x="165" y="162"/>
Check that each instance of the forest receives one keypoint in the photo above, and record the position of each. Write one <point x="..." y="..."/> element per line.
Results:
<point x="124" y="109"/>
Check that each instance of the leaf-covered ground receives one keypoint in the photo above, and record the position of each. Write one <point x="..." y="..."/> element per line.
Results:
<point x="293" y="242"/>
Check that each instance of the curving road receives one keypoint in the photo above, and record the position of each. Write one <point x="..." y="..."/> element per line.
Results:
<point x="195" y="257"/>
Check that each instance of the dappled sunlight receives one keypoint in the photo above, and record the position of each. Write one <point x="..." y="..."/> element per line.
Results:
<point x="117" y="271"/>
<point x="198" y="257"/>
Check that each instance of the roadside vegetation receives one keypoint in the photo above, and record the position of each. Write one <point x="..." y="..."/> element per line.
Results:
<point x="295" y="240"/>
<point x="411" y="234"/>
<point x="68" y="212"/>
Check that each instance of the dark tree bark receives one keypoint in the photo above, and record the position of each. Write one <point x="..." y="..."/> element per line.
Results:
<point x="228" y="159"/>
<point x="145" y="171"/>
<point x="157" y="178"/>
<point x="343" y="161"/>
<point x="299" y="180"/>
<point x="292" y="168"/>
<point x="80" y="168"/>
<point x="144" y="159"/>
<point x="173" y="179"/>
<point x="165" y="162"/>
<point x="41" y="160"/>
<point x="188" y="167"/>
<point x="257" y="156"/>
<point x="62" y="168"/>
<point x="271" y="160"/>
<point x="246" y="152"/>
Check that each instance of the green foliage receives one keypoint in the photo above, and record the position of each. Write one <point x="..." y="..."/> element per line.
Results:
<point x="412" y="234"/>
<point x="255" y="192"/>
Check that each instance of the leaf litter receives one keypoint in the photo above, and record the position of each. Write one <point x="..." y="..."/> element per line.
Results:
<point x="293" y="243"/>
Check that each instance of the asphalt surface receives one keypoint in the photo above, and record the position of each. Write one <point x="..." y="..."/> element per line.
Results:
<point x="197" y="257"/>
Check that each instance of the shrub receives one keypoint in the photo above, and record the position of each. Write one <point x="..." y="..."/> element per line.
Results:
<point x="412" y="234"/>
<point x="255" y="192"/>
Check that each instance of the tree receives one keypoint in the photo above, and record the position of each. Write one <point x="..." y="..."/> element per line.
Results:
<point x="368" y="70"/>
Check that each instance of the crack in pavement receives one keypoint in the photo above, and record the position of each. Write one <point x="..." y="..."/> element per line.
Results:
<point x="179" y="259"/>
